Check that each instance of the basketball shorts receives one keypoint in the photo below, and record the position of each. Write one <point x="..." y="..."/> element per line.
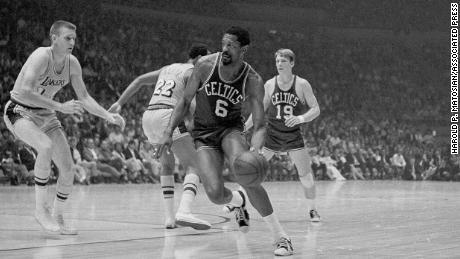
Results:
<point x="279" y="141"/>
<point x="45" y="119"/>
<point x="155" y="120"/>
<point x="211" y="137"/>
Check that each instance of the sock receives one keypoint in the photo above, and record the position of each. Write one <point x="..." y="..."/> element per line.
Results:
<point x="275" y="226"/>
<point x="309" y="189"/>
<point x="167" y="186"/>
<point x="189" y="193"/>
<point x="41" y="186"/>
<point x="41" y="192"/>
<point x="236" y="200"/>
<point x="62" y="193"/>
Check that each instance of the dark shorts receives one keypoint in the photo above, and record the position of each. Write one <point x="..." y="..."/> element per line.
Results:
<point x="279" y="141"/>
<point x="45" y="119"/>
<point x="211" y="137"/>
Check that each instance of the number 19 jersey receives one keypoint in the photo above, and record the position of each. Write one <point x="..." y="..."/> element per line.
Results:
<point x="284" y="104"/>
<point x="170" y="85"/>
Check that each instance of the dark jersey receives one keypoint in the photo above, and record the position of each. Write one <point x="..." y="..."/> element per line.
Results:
<point x="284" y="104"/>
<point x="219" y="102"/>
<point x="219" y="106"/>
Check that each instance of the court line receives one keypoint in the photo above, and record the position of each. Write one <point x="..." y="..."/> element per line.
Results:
<point x="113" y="241"/>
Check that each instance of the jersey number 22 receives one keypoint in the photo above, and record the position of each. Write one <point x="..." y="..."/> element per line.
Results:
<point x="164" y="87"/>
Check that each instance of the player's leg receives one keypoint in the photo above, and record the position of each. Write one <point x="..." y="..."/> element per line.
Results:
<point x="185" y="151"/>
<point x="63" y="160"/>
<point x="302" y="161"/>
<point x="234" y="144"/>
<point x="32" y="135"/>
<point x="153" y="123"/>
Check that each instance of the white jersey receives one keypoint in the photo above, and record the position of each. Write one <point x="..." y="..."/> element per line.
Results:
<point x="48" y="83"/>
<point x="171" y="84"/>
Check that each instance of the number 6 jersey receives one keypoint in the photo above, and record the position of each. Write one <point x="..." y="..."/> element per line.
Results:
<point x="219" y="102"/>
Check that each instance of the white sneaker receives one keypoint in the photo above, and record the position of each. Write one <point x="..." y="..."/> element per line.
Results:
<point x="63" y="228"/>
<point x="189" y="220"/>
<point x="43" y="217"/>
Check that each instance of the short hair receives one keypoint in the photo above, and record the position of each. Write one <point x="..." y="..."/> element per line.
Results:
<point x="198" y="49"/>
<point x="286" y="53"/>
<point x="57" y="25"/>
<point x="242" y="35"/>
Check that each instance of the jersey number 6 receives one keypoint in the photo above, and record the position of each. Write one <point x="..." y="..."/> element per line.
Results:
<point x="221" y="106"/>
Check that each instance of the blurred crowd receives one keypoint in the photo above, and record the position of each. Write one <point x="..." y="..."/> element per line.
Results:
<point x="380" y="101"/>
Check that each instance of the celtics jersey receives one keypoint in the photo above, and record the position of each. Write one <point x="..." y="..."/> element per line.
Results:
<point x="49" y="82"/>
<point x="219" y="102"/>
<point x="170" y="85"/>
<point x="282" y="105"/>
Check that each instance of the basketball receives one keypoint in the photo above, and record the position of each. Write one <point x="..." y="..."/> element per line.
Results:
<point x="250" y="168"/>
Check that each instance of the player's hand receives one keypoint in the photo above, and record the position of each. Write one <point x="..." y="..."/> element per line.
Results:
<point x="115" y="108"/>
<point x="72" y="107"/>
<point x="164" y="144"/>
<point x="293" y="120"/>
<point x="258" y="151"/>
<point x="116" y="119"/>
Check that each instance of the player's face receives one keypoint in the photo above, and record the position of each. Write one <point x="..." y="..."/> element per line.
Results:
<point x="65" y="41"/>
<point x="231" y="49"/>
<point x="283" y="64"/>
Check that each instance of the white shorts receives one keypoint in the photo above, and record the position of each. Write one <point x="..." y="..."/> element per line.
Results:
<point x="154" y="123"/>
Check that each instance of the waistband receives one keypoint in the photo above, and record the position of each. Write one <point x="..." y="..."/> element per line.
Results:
<point x="159" y="106"/>
<point x="13" y="101"/>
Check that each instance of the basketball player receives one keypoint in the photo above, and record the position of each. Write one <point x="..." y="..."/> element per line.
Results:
<point x="287" y="98"/>
<point x="31" y="116"/>
<point x="221" y="83"/>
<point x="170" y="83"/>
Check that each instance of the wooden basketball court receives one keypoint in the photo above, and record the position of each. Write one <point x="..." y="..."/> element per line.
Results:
<point x="361" y="219"/>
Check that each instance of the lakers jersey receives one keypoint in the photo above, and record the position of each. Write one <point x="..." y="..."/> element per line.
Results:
<point x="219" y="102"/>
<point x="284" y="104"/>
<point x="170" y="84"/>
<point x="48" y="83"/>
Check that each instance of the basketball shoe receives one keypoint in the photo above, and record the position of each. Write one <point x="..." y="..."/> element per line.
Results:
<point x="241" y="214"/>
<point x="64" y="229"/>
<point x="44" y="218"/>
<point x="284" y="247"/>
<point x="314" y="216"/>
<point x="189" y="220"/>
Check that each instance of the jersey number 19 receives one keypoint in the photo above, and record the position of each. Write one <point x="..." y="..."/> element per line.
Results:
<point x="287" y="111"/>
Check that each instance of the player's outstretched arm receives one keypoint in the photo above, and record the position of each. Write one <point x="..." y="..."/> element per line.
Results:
<point x="312" y="113"/>
<point x="249" y="123"/>
<point x="256" y="93"/>
<point x="35" y="65"/>
<point x="86" y="100"/>
<point x="142" y="80"/>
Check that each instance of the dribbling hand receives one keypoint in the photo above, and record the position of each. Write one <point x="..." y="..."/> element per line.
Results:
<point x="164" y="144"/>
<point x="115" y="108"/>
<point x="116" y="119"/>
<point x="72" y="107"/>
